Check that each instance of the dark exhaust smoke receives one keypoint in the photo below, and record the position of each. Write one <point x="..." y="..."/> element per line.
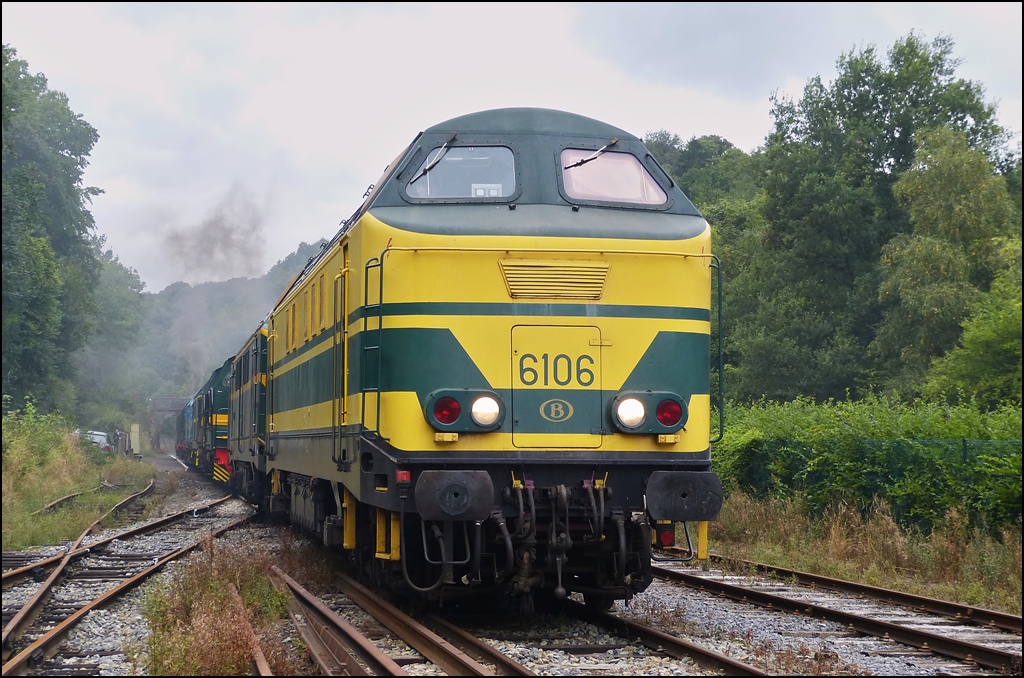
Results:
<point x="228" y="243"/>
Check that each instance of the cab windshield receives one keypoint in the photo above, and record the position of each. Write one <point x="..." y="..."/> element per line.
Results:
<point x="465" y="172"/>
<point x="609" y="177"/>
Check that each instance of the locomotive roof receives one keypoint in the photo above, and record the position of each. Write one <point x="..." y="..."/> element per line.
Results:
<point x="529" y="121"/>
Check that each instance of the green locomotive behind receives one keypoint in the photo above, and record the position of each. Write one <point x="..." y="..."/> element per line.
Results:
<point x="202" y="431"/>
<point x="497" y="373"/>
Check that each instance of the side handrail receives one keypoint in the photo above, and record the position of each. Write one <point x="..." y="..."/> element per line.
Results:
<point x="717" y="265"/>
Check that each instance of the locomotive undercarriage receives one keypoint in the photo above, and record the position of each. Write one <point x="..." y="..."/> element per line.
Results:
<point x="545" y="530"/>
<point x="556" y="542"/>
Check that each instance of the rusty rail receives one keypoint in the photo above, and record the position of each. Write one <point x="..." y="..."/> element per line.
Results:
<point x="47" y="644"/>
<point x="58" y="502"/>
<point x="11" y="576"/>
<point x="950" y="647"/>
<point x="485" y="651"/>
<point x="259" y="660"/>
<point x="962" y="613"/>
<point x="336" y="646"/>
<point x="24" y="615"/>
<point x="452" y="661"/>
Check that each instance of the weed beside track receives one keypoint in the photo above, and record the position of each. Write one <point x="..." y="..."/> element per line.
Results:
<point x="954" y="562"/>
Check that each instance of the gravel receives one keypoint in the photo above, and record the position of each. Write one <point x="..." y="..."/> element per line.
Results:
<point x="529" y="647"/>
<point x="778" y="642"/>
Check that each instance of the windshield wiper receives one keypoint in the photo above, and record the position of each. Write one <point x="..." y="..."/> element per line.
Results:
<point x="437" y="158"/>
<point x="592" y="156"/>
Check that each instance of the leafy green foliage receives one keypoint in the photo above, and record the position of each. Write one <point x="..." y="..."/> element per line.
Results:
<point x="861" y="242"/>
<point x="932" y="277"/>
<point x="50" y="268"/>
<point x="116" y="395"/>
<point x="921" y="458"/>
<point x="987" y="364"/>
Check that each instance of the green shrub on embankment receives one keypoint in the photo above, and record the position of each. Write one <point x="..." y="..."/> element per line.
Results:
<point x="922" y="459"/>
<point x="43" y="461"/>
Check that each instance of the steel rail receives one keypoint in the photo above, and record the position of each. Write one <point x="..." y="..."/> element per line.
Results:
<point x="950" y="647"/>
<point x="11" y="576"/>
<point x="322" y="646"/>
<point x="54" y="504"/>
<point x="962" y="613"/>
<point x="24" y="615"/>
<point x="47" y="644"/>
<point x="664" y="642"/>
<point x="259" y="660"/>
<point x="485" y="651"/>
<point x="335" y="644"/>
<point x="452" y="661"/>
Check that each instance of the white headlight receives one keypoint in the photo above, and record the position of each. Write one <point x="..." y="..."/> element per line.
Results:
<point x="485" y="410"/>
<point x="630" y="412"/>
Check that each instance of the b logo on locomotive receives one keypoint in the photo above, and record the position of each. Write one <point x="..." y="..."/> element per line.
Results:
<point x="556" y="410"/>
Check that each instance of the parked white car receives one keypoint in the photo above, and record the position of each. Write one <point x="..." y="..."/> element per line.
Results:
<point x="99" y="439"/>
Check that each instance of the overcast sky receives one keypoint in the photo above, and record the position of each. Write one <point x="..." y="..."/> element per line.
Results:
<point x="230" y="133"/>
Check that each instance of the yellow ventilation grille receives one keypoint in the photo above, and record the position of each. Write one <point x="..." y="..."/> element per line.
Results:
<point x="554" y="278"/>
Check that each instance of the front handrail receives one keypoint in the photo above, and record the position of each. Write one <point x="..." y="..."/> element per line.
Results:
<point x="545" y="250"/>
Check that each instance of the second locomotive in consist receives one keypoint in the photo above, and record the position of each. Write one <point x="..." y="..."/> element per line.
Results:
<point x="202" y="436"/>
<point x="497" y="373"/>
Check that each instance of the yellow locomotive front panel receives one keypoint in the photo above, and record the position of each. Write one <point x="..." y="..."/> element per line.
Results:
<point x="456" y="300"/>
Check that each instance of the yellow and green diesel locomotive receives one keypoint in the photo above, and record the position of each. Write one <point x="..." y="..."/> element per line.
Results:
<point x="497" y="373"/>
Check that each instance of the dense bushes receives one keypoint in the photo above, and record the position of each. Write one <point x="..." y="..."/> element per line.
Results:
<point x="922" y="459"/>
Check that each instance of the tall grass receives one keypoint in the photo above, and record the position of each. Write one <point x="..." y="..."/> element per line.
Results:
<point x="953" y="562"/>
<point x="43" y="461"/>
<point x="195" y="630"/>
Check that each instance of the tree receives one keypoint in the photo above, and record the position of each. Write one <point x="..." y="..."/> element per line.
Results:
<point x="931" y="277"/>
<point x="812" y="305"/>
<point x="49" y="265"/>
<point x="683" y="161"/>
<point x="115" y="384"/>
<point x="986" y="365"/>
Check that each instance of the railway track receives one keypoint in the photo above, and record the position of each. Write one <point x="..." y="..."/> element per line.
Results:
<point x="578" y="641"/>
<point x="928" y="625"/>
<point x="343" y="648"/>
<point x="356" y="632"/>
<point x="37" y="618"/>
<point x="962" y="613"/>
<point x="20" y="565"/>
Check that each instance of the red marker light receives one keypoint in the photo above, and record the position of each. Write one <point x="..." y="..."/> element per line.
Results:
<point x="446" y="410"/>
<point x="668" y="537"/>
<point x="669" y="412"/>
<point x="402" y="476"/>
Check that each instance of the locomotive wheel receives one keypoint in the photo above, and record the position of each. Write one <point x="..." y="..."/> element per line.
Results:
<point x="597" y="602"/>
